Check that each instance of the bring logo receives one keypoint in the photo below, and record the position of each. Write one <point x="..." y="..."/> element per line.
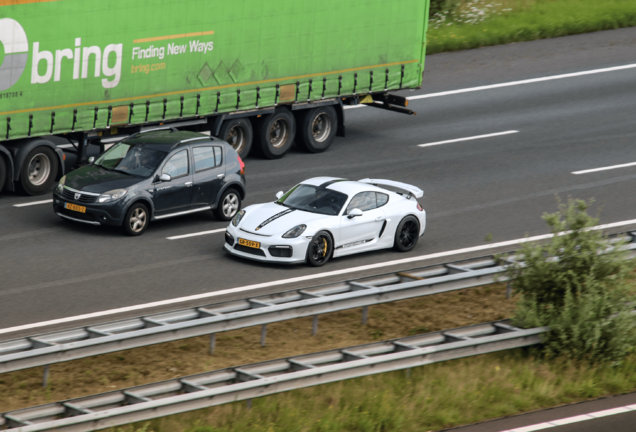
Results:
<point x="16" y="48"/>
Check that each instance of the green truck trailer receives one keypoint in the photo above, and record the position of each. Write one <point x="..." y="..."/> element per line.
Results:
<point x="258" y="74"/>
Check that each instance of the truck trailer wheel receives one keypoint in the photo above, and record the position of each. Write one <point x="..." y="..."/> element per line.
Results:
<point x="38" y="171"/>
<point x="275" y="133"/>
<point x="317" y="129"/>
<point x="239" y="134"/>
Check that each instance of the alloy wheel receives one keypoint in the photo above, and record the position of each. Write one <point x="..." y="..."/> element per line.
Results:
<point x="408" y="235"/>
<point x="230" y="205"/>
<point x="137" y="220"/>
<point x="320" y="249"/>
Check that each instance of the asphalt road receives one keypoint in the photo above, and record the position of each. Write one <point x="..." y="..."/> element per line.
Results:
<point x="497" y="186"/>
<point x="530" y="422"/>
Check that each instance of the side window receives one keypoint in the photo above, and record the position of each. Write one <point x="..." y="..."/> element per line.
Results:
<point x="363" y="201"/>
<point x="178" y="165"/>
<point x="382" y="198"/>
<point x="203" y="158"/>
<point x="218" y="155"/>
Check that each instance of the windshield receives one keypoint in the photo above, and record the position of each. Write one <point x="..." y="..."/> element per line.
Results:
<point x="132" y="159"/>
<point x="314" y="199"/>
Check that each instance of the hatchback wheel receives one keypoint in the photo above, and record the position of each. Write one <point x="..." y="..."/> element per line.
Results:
<point x="229" y="205"/>
<point x="136" y="220"/>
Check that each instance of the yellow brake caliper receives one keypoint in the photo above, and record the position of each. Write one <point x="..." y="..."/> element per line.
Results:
<point x="324" y="251"/>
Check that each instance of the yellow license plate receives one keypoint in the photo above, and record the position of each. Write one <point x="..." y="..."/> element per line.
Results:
<point x="74" y="207"/>
<point x="249" y="243"/>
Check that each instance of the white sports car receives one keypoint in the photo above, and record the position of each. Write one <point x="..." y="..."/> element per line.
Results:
<point x="326" y="217"/>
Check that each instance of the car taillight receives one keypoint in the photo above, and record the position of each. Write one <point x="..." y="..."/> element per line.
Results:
<point x="419" y="207"/>
<point x="242" y="164"/>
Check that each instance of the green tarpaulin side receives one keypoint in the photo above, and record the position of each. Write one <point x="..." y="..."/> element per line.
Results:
<point x="85" y="64"/>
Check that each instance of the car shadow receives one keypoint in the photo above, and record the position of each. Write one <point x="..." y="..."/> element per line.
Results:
<point x="196" y="221"/>
<point x="340" y="263"/>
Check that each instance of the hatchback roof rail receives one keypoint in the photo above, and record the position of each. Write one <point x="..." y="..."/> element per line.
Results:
<point x="173" y="129"/>
<point x="185" y="141"/>
<point x="196" y="139"/>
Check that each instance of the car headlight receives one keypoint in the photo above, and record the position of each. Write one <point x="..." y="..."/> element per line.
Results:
<point x="60" y="186"/>
<point x="238" y="217"/>
<point x="295" y="231"/>
<point x="113" y="195"/>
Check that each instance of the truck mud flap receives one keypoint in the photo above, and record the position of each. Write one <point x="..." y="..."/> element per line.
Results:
<point x="389" y="102"/>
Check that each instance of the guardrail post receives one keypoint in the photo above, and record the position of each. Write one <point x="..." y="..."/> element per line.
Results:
<point x="314" y="326"/>
<point x="45" y="376"/>
<point x="365" y="315"/>
<point x="263" y="334"/>
<point x="212" y="342"/>
<point x="508" y="290"/>
<point x="249" y="404"/>
<point x="408" y="373"/>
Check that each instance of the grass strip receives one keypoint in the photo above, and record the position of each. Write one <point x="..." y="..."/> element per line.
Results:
<point x="528" y="20"/>
<point x="150" y="364"/>
<point x="432" y="397"/>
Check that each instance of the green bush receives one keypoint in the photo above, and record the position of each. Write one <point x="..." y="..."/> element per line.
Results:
<point x="441" y="5"/>
<point x="582" y="294"/>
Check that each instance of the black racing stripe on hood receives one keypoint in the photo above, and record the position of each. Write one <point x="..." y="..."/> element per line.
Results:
<point x="273" y="218"/>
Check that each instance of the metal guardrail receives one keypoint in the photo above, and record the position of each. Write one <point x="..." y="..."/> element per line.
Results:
<point x="46" y="349"/>
<point x="260" y="379"/>
<point x="83" y="342"/>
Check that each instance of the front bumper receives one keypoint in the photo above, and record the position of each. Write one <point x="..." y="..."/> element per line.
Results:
<point x="269" y="245"/>
<point x="96" y="214"/>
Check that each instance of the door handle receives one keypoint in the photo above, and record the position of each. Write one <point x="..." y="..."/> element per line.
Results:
<point x="188" y="184"/>
<point x="379" y="218"/>
<point x="220" y="176"/>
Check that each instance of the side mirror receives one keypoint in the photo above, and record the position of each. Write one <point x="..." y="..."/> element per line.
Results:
<point x="165" y="177"/>
<point x="353" y="213"/>
<point x="91" y="159"/>
<point x="279" y="194"/>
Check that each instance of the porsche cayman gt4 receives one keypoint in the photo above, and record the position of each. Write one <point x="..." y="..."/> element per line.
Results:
<point x="325" y="217"/>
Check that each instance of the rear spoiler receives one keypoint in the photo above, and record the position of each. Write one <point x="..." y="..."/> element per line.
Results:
<point x="402" y="187"/>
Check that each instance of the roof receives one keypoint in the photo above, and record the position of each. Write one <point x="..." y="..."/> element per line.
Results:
<point x="390" y="184"/>
<point x="349" y="187"/>
<point x="164" y="139"/>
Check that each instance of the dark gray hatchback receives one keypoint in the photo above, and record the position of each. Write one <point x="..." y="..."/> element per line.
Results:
<point x="154" y="175"/>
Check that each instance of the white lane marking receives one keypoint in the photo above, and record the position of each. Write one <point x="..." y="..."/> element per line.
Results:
<point x="575" y="419"/>
<point x="195" y="234"/>
<point x="512" y="83"/>
<point x="604" y="168"/>
<point x="528" y="81"/>
<point x="33" y="203"/>
<point x="211" y="295"/>
<point x="469" y="138"/>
